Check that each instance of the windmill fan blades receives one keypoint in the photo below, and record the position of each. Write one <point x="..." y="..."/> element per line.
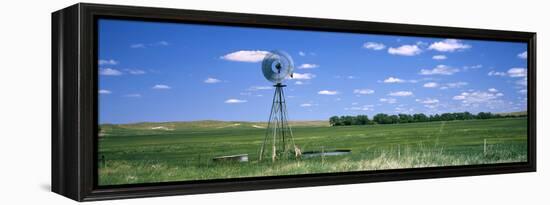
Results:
<point x="277" y="66"/>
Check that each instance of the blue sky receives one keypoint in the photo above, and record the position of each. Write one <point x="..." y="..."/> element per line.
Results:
<point x="157" y="72"/>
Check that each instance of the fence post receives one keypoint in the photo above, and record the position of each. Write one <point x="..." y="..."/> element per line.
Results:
<point x="322" y="155"/>
<point x="398" y="151"/>
<point x="484" y="147"/>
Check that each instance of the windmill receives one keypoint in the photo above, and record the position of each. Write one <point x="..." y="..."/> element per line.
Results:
<point x="278" y="142"/>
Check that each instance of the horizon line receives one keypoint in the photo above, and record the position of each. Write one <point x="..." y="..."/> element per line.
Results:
<point x="188" y="121"/>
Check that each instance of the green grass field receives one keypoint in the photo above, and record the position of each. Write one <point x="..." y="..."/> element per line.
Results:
<point x="181" y="151"/>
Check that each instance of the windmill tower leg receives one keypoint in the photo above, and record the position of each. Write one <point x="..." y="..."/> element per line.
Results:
<point x="278" y="134"/>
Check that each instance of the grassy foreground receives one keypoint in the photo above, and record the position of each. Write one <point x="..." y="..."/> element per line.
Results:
<point x="181" y="151"/>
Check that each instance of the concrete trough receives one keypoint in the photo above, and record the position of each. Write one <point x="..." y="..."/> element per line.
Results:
<point x="336" y="152"/>
<point x="232" y="158"/>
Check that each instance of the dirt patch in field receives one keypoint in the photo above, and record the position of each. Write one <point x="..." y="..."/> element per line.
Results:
<point x="162" y="128"/>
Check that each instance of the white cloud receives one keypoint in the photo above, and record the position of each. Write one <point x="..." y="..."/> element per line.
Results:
<point x="405" y="50"/>
<point x="472" y="67"/>
<point x="517" y="72"/>
<point x="496" y="73"/>
<point x="401" y="109"/>
<point x="362" y="108"/>
<point x="302" y="76"/>
<point x="299" y="83"/>
<point x="388" y="100"/>
<point x="374" y="46"/>
<point x="493" y="90"/>
<point x="439" y="70"/>
<point x="301" y="53"/>
<point x="401" y="93"/>
<point x="135" y="95"/>
<point x="448" y="45"/>
<point x="421" y="43"/>
<point x="306" y="105"/>
<point x="363" y="91"/>
<point x="212" y="80"/>
<point x="109" y="72"/>
<point x="430" y="85"/>
<point x="161" y="87"/>
<point x="477" y="97"/>
<point x="234" y="101"/>
<point x="454" y="85"/>
<point x="439" y="57"/>
<point x="308" y="66"/>
<point x="250" y="56"/>
<point x="523" y="55"/>
<point x="429" y="101"/>
<point x="136" y="71"/>
<point x="522" y="82"/>
<point x="107" y="62"/>
<point x="145" y="45"/>
<point x="397" y="80"/>
<point x="459" y="97"/>
<point x="327" y="92"/>
<point x="431" y="106"/>
<point x="137" y="45"/>
<point x="393" y="80"/>
<point x="115" y="72"/>
<point x="161" y="43"/>
<point x="256" y="88"/>
<point x="105" y="92"/>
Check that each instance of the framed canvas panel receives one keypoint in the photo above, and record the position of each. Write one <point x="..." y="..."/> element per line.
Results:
<point x="156" y="102"/>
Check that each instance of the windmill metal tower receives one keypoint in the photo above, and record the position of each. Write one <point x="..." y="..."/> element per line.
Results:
<point x="278" y="142"/>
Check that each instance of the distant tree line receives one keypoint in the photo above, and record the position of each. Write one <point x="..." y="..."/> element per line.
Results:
<point x="382" y="118"/>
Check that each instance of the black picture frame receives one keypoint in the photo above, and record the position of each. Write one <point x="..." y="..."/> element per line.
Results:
<point x="74" y="101"/>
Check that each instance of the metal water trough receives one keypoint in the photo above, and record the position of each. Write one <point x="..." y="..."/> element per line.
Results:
<point x="326" y="153"/>
<point x="232" y="158"/>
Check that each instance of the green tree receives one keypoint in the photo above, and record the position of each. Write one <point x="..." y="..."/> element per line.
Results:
<point x="484" y="115"/>
<point x="394" y="119"/>
<point x="420" y="117"/>
<point x="381" y="118"/>
<point x="468" y="116"/>
<point x="362" y="120"/>
<point x="334" y="121"/>
<point x="404" y="118"/>
<point x="347" y="120"/>
<point x="447" y="117"/>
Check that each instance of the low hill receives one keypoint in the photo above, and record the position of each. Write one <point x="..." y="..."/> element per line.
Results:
<point x="520" y="113"/>
<point x="163" y="127"/>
